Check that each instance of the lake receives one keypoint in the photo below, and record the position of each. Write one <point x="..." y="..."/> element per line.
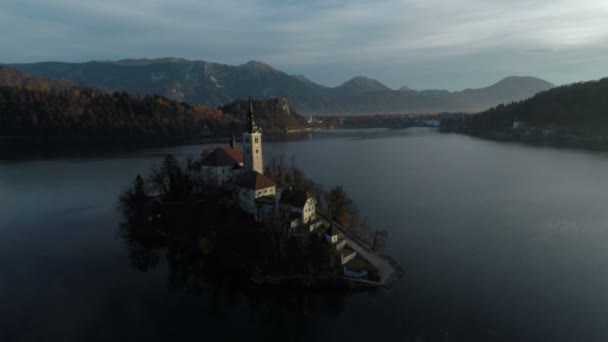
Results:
<point x="499" y="242"/>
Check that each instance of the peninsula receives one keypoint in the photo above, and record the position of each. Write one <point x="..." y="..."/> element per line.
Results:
<point x="571" y="115"/>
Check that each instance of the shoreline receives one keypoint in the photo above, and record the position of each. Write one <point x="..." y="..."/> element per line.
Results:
<point x="568" y="142"/>
<point x="164" y="232"/>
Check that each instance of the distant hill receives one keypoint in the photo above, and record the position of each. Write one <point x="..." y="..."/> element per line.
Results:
<point x="215" y="84"/>
<point x="579" y="109"/>
<point x="15" y="78"/>
<point x="360" y="85"/>
<point x="507" y="90"/>
<point x="273" y="115"/>
<point x="50" y="109"/>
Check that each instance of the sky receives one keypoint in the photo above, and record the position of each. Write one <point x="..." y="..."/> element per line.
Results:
<point x="422" y="44"/>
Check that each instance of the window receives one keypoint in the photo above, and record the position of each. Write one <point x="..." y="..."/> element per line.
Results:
<point x="257" y="151"/>
<point x="247" y="140"/>
<point x="256" y="140"/>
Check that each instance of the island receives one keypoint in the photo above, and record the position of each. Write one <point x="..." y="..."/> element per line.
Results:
<point x="270" y="225"/>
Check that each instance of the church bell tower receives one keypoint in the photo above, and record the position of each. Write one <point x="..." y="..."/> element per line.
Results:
<point x="252" y="144"/>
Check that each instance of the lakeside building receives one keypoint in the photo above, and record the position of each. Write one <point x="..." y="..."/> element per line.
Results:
<point x="256" y="194"/>
<point x="252" y="143"/>
<point x="223" y="165"/>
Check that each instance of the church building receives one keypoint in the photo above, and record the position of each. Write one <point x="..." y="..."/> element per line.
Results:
<point x="252" y="143"/>
<point x="256" y="192"/>
<point x="223" y="165"/>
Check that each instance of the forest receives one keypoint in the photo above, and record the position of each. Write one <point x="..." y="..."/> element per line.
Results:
<point x="576" y="109"/>
<point x="40" y="112"/>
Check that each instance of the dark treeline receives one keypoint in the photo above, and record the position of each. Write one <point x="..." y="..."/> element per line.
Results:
<point x="71" y="113"/>
<point x="580" y="108"/>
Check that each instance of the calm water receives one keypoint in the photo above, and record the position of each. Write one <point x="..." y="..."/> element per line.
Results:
<point x="500" y="242"/>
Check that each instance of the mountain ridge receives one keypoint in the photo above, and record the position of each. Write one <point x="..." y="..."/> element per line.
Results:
<point x="15" y="78"/>
<point x="215" y="84"/>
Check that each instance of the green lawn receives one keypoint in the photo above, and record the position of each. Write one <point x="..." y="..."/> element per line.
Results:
<point x="346" y="251"/>
<point x="359" y="264"/>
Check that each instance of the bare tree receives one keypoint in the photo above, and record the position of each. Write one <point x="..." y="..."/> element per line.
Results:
<point x="377" y="239"/>
<point x="341" y="208"/>
<point x="278" y="234"/>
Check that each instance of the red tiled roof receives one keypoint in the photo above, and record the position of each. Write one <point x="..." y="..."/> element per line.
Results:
<point x="224" y="156"/>
<point x="254" y="180"/>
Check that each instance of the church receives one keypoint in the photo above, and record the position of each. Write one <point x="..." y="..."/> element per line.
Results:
<point x="256" y="194"/>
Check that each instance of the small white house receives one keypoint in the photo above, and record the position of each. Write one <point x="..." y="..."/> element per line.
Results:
<point x="332" y="235"/>
<point x="299" y="202"/>
<point x="256" y="194"/>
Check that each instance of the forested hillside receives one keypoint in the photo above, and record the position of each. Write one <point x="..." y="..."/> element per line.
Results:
<point x="580" y="108"/>
<point x="46" y="108"/>
<point x="65" y="113"/>
<point x="273" y="115"/>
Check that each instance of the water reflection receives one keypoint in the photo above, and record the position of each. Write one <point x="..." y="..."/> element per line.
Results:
<point x="190" y="272"/>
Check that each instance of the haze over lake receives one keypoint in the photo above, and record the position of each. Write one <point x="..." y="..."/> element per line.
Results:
<point x="499" y="242"/>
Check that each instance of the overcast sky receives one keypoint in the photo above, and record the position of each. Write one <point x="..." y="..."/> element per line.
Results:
<point x="449" y="44"/>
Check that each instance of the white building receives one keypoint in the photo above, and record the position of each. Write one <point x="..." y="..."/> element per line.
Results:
<point x="252" y="144"/>
<point x="256" y="194"/>
<point x="299" y="202"/>
<point x="222" y="166"/>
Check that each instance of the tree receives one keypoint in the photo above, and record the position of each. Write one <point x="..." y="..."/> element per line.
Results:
<point x="341" y="208"/>
<point x="377" y="239"/>
<point x="206" y="152"/>
<point x="139" y="188"/>
<point x="133" y="200"/>
<point x="278" y="233"/>
<point x="362" y="230"/>
<point x="168" y="178"/>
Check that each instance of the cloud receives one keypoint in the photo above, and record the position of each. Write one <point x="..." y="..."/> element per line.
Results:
<point x="394" y="40"/>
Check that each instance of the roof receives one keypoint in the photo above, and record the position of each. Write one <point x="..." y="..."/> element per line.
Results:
<point x="224" y="156"/>
<point x="268" y="200"/>
<point x="254" y="180"/>
<point x="296" y="198"/>
<point x="332" y="231"/>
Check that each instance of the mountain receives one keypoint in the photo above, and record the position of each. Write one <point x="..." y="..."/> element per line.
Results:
<point x="215" y="84"/>
<point x="574" y="110"/>
<point x="360" y="85"/>
<point x="509" y="89"/>
<point x="43" y="108"/>
<point x="14" y="78"/>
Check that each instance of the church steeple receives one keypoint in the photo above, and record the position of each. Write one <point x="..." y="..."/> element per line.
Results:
<point x="252" y="144"/>
<point x="251" y="127"/>
<point x="232" y="141"/>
